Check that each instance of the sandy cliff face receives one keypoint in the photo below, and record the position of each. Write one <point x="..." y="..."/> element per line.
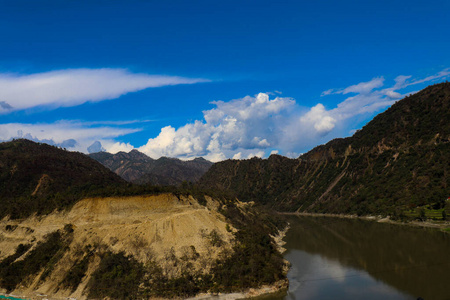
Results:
<point x="147" y="227"/>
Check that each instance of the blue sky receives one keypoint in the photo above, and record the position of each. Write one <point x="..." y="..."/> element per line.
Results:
<point x="218" y="79"/>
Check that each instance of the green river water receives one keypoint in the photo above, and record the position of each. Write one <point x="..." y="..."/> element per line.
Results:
<point x="336" y="258"/>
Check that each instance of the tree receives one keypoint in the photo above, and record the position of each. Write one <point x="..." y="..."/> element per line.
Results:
<point x="422" y="215"/>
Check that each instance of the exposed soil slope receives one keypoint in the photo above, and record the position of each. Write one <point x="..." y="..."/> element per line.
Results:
<point x="147" y="227"/>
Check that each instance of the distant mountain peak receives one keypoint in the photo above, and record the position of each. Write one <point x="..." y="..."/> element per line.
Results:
<point x="137" y="167"/>
<point x="199" y="159"/>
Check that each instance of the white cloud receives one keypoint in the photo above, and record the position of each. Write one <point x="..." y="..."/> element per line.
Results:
<point x="73" y="135"/>
<point x="252" y="126"/>
<point x="364" y="87"/>
<point x="327" y="92"/>
<point x="75" y="86"/>
<point x="114" y="147"/>
<point x="442" y="74"/>
<point x="258" y="154"/>
<point x="215" y="157"/>
<point x="320" y="118"/>
<point x="293" y="154"/>
<point x="247" y="123"/>
<point x="237" y="155"/>
<point x="240" y="128"/>
<point x="393" y="95"/>
<point x="400" y="81"/>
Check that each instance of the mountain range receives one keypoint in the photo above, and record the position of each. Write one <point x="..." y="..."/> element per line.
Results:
<point x="136" y="167"/>
<point x="70" y="227"/>
<point x="398" y="161"/>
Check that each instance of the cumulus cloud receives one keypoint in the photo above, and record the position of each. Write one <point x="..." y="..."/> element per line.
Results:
<point x="229" y="128"/>
<point x="237" y="155"/>
<point x="320" y="118"/>
<point x="255" y="125"/>
<point x="113" y="147"/>
<point x="258" y="154"/>
<point x="75" y="86"/>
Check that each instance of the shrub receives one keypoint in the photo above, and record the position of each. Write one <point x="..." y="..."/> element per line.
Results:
<point x="117" y="277"/>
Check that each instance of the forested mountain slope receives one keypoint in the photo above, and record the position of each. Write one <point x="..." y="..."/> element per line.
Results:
<point x="399" y="160"/>
<point x="41" y="178"/>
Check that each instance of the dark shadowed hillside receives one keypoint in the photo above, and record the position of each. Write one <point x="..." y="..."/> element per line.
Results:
<point x="40" y="178"/>
<point x="138" y="168"/>
<point x="399" y="160"/>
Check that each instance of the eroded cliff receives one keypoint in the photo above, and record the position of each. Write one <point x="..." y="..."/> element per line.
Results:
<point x="175" y="233"/>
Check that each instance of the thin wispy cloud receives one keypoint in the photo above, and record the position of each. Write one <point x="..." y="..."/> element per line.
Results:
<point x="115" y="123"/>
<point x="73" y="87"/>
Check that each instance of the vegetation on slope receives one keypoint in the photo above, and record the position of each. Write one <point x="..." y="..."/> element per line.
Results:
<point x="397" y="162"/>
<point x="252" y="262"/>
<point x="117" y="277"/>
<point x="40" y="260"/>
<point x="39" y="178"/>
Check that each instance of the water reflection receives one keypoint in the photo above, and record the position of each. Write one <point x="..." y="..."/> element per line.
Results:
<point x="335" y="258"/>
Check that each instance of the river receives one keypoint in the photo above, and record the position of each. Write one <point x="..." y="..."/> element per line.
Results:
<point x="337" y="258"/>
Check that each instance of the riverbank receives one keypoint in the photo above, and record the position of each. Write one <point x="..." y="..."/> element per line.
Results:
<point x="280" y="287"/>
<point x="444" y="226"/>
<point x="10" y="297"/>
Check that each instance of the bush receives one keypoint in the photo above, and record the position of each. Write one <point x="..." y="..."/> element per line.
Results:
<point x="46" y="254"/>
<point x="75" y="274"/>
<point x="117" y="277"/>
